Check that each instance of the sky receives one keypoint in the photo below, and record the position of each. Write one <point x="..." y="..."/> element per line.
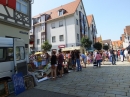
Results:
<point x="111" y="16"/>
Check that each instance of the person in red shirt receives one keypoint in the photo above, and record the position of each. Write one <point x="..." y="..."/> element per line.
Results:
<point x="60" y="62"/>
<point x="118" y="54"/>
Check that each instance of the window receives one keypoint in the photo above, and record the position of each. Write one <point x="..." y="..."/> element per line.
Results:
<point x="60" y="23"/>
<point x="86" y="30"/>
<point x="20" y="53"/>
<point x="39" y="19"/>
<point x="77" y="22"/>
<point x="38" y="41"/>
<point x="21" y="5"/>
<point x="61" y="38"/>
<point x="78" y="37"/>
<point x="60" y="12"/>
<point x="77" y="12"/>
<point x="43" y="18"/>
<point x="1" y="53"/>
<point x="53" y="39"/>
<point x="6" y="54"/>
<point x="42" y="27"/>
<point x="81" y="7"/>
<point x="53" y="25"/>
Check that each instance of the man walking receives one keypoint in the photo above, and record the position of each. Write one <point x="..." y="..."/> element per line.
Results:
<point x="113" y="57"/>
<point x="79" y="68"/>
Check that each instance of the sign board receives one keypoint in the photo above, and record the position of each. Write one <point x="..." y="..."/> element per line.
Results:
<point x="61" y="46"/>
<point x="19" y="85"/>
<point x="23" y="32"/>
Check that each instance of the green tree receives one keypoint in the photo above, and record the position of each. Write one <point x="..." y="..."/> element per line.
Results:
<point x="97" y="46"/>
<point x="105" y="47"/>
<point x="85" y="42"/>
<point x="46" y="46"/>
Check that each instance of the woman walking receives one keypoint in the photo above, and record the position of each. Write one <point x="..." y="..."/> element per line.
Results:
<point x="98" y="59"/>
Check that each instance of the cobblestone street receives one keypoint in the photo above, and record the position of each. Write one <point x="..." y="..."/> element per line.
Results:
<point x="107" y="81"/>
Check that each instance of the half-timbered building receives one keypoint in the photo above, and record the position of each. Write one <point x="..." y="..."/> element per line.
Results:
<point x="15" y="19"/>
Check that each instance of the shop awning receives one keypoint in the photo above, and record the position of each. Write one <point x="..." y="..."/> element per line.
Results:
<point x="71" y="48"/>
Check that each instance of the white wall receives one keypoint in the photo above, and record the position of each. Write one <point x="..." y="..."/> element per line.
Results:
<point x="37" y="36"/>
<point x="68" y="30"/>
<point x="126" y="41"/>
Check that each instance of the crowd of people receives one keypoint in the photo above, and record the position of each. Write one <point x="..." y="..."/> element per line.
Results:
<point x="62" y="61"/>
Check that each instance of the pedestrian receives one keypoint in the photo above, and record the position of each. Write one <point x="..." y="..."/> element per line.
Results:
<point x="53" y="65"/>
<point x="103" y="57"/>
<point x="98" y="59"/>
<point x="73" y="60"/>
<point x="79" y="67"/>
<point x="113" y="57"/>
<point x="121" y="55"/>
<point x="60" y="62"/>
<point x="84" y="59"/>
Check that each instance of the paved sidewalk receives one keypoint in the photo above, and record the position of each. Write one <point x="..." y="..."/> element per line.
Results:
<point x="40" y="93"/>
<point x="107" y="81"/>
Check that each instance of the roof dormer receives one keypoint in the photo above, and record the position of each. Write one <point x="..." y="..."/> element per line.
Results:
<point x="61" y="12"/>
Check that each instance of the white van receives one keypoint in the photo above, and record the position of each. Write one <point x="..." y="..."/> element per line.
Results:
<point x="13" y="58"/>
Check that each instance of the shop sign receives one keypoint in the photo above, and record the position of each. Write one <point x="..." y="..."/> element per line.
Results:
<point x="61" y="46"/>
<point x="23" y="32"/>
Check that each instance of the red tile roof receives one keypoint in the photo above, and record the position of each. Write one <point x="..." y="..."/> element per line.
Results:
<point x="128" y="30"/>
<point x="123" y="37"/>
<point x="117" y="43"/>
<point x="89" y="18"/>
<point x="70" y="9"/>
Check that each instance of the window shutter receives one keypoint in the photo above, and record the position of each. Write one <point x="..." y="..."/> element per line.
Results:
<point x="12" y="4"/>
<point x="3" y="2"/>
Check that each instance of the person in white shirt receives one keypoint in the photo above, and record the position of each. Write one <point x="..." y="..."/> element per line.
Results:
<point x="126" y="54"/>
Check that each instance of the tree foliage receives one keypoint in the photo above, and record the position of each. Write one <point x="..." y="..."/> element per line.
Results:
<point x="85" y="42"/>
<point x="105" y="47"/>
<point x="97" y="46"/>
<point x="46" y="46"/>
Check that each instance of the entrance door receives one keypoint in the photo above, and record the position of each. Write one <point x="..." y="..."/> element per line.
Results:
<point x="20" y="56"/>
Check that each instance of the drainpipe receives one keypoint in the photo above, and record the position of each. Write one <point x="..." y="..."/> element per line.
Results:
<point x="65" y="32"/>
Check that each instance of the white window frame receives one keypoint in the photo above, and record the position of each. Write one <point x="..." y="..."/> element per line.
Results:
<point x="60" y="23"/>
<point x="78" y="37"/>
<point x="53" y="25"/>
<point x="60" y="11"/>
<point x="60" y="38"/>
<point x="38" y="43"/>
<point x="21" y="54"/>
<point x="77" y="12"/>
<point x="81" y="6"/>
<point x="53" y="39"/>
<point x="77" y="22"/>
<point x="42" y="26"/>
<point x="21" y="3"/>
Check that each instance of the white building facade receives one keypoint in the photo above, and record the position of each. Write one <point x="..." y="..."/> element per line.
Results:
<point x="64" y="26"/>
<point x="92" y="29"/>
<point x="126" y="37"/>
<point x="66" y="31"/>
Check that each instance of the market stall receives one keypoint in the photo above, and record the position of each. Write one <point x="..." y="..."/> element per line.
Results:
<point x="69" y="49"/>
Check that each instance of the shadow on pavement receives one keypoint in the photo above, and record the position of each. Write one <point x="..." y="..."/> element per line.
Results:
<point x="40" y="93"/>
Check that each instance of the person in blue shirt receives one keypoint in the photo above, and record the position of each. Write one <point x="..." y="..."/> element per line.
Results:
<point x="84" y="58"/>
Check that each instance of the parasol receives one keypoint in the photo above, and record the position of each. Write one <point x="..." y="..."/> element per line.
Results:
<point x="38" y="53"/>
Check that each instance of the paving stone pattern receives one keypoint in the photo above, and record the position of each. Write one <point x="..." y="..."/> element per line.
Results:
<point x="107" y="81"/>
